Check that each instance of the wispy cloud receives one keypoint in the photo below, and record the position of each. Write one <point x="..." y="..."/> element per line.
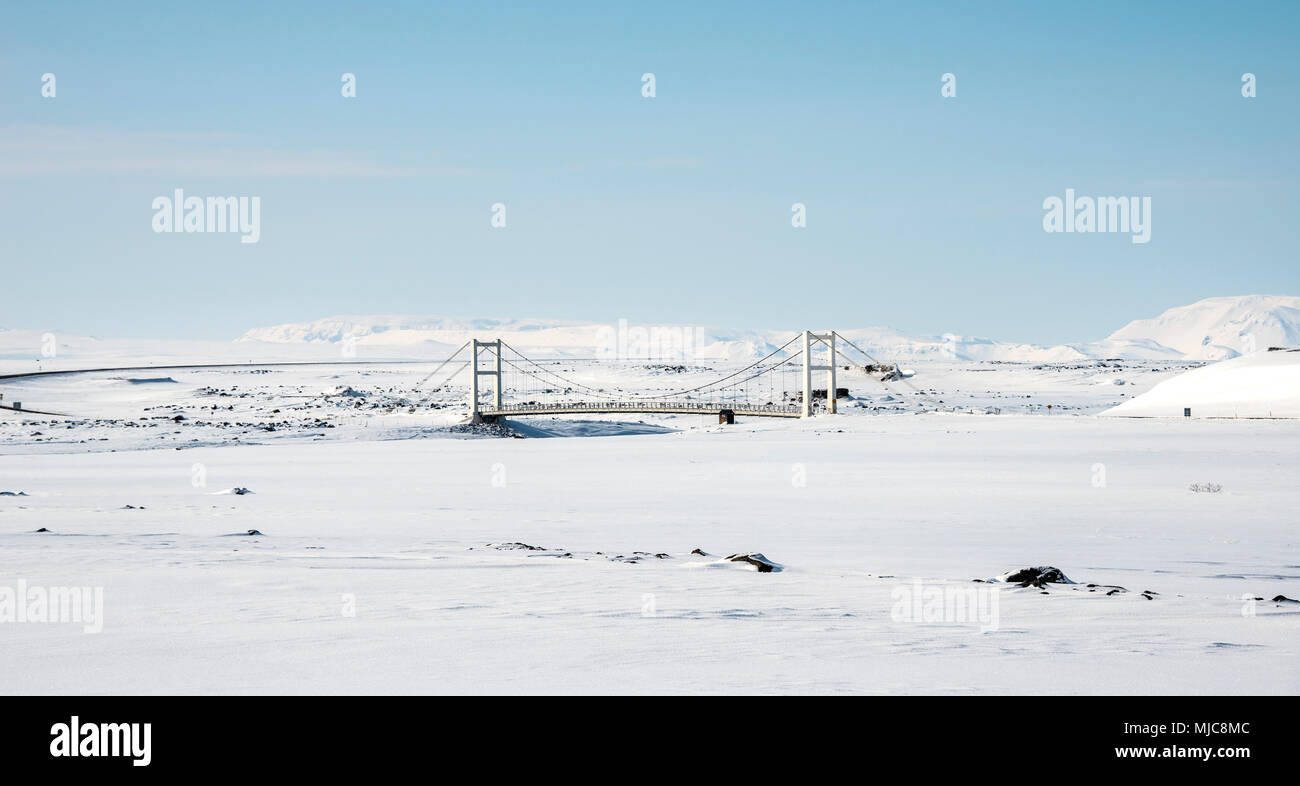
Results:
<point x="40" y="150"/>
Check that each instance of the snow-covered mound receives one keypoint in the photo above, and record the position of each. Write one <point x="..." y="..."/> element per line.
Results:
<point x="752" y="561"/>
<point x="1265" y="384"/>
<point x="1221" y="327"/>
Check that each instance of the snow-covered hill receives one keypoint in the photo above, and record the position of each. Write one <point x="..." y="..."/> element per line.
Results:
<point x="1221" y="327"/>
<point x="1263" y="385"/>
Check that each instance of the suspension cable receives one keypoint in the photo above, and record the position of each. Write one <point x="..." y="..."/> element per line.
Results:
<point x="439" y="368"/>
<point x="661" y="395"/>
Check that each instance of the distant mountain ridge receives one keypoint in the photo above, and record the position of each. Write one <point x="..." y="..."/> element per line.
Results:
<point x="1211" y="329"/>
<point x="1218" y="328"/>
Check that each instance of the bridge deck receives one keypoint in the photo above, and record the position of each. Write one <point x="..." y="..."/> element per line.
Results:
<point x="646" y="407"/>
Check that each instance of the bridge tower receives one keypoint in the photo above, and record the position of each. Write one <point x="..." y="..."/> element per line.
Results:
<point x="475" y="416"/>
<point x="809" y="340"/>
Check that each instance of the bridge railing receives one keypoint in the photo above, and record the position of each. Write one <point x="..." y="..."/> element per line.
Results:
<point x="645" y="406"/>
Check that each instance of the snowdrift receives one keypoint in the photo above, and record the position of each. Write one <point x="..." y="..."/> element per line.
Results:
<point x="1263" y="385"/>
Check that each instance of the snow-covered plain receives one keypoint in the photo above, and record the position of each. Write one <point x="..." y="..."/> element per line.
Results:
<point x="332" y="526"/>
<point x="374" y="570"/>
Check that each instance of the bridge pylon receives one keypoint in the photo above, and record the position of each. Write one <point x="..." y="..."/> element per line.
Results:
<point x="809" y="340"/>
<point x="475" y="414"/>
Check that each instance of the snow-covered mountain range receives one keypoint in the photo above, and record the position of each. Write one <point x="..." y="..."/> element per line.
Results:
<point x="1221" y="327"/>
<point x="1211" y="329"/>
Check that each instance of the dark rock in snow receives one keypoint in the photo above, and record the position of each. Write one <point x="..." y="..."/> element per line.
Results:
<point x="1284" y="599"/>
<point x="42" y="529"/>
<point x="1037" y="577"/>
<point x="1113" y="587"/>
<point x="1116" y="590"/>
<point x="13" y="493"/>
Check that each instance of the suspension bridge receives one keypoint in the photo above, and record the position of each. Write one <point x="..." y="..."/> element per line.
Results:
<point x="503" y="382"/>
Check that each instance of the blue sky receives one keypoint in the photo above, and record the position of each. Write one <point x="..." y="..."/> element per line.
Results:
<point x="924" y="213"/>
